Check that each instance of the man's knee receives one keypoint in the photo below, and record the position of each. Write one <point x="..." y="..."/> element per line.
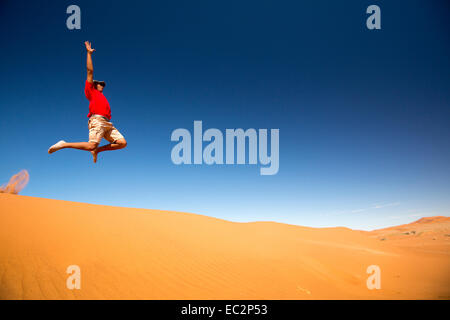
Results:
<point x="92" y="146"/>
<point x="122" y="143"/>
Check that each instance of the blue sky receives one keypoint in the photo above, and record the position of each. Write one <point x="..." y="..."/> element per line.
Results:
<point x="363" y="115"/>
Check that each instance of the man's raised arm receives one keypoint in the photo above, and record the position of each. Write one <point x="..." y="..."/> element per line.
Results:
<point x="89" y="65"/>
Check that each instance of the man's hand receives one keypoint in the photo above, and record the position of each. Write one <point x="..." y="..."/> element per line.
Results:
<point x="88" y="47"/>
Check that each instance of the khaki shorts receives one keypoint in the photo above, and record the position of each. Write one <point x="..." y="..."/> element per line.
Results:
<point x="100" y="128"/>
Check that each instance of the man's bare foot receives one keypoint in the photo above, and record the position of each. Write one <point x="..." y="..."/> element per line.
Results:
<point x="94" y="154"/>
<point x="57" y="146"/>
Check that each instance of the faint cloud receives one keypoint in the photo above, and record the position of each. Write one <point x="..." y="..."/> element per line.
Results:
<point x="376" y="206"/>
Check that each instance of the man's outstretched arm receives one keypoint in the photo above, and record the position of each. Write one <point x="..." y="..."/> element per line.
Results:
<point x="89" y="65"/>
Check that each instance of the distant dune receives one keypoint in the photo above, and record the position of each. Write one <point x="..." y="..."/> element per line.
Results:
<point x="126" y="253"/>
<point x="431" y="234"/>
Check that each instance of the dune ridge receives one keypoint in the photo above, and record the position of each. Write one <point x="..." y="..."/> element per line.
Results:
<point x="429" y="234"/>
<point x="127" y="253"/>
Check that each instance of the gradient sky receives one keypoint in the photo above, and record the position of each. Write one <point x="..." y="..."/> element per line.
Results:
<point x="363" y="115"/>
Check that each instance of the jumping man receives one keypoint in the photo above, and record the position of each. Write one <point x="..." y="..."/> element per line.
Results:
<point x="99" y="117"/>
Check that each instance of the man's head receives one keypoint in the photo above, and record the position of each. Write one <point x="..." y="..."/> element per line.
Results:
<point x="99" y="85"/>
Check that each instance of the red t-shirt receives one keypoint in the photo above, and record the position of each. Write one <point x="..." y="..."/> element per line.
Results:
<point x="98" y="103"/>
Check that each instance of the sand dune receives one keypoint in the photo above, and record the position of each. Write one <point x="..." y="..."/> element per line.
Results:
<point x="126" y="253"/>
<point x="431" y="234"/>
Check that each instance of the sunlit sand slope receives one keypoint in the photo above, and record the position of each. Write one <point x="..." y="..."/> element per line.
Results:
<point x="126" y="253"/>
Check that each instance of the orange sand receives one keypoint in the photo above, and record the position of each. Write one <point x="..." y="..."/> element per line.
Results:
<point x="127" y="253"/>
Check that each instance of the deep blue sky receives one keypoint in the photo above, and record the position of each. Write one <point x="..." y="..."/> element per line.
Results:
<point x="363" y="115"/>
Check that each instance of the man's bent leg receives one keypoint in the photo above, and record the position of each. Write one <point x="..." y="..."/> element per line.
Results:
<point x="88" y="146"/>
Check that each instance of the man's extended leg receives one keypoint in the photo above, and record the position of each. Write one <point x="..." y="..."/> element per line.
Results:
<point x="116" y="145"/>
<point x="88" y="146"/>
